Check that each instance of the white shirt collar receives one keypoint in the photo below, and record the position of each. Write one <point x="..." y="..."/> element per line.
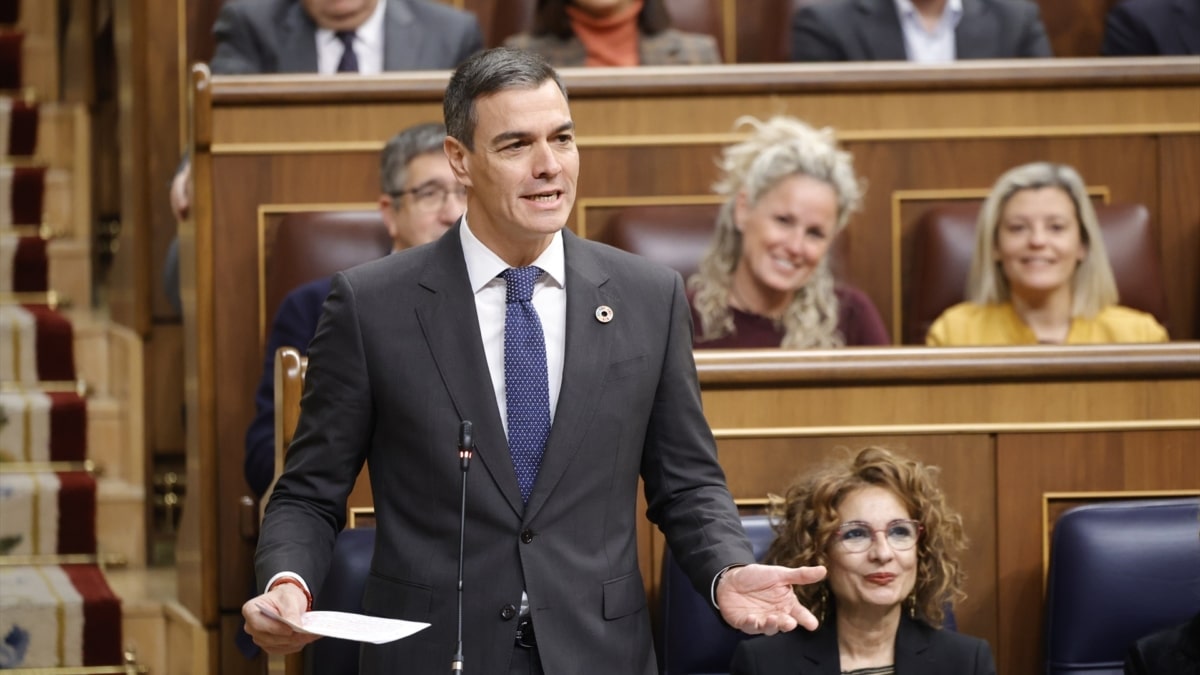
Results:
<point x="483" y="265"/>
<point x="905" y="8"/>
<point x="368" y="36"/>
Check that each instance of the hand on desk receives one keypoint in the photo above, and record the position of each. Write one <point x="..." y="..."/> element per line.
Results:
<point x="759" y="598"/>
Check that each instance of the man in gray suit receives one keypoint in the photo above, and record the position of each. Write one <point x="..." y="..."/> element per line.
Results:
<point x="918" y="30"/>
<point x="310" y="36"/>
<point x="410" y="346"/>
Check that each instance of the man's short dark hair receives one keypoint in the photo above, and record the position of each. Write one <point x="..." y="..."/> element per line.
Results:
<point x="485" y="73"/>
<point x="403" y="148"/>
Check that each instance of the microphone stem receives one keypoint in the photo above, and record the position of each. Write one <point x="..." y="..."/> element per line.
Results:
<point x="456" y="665"/>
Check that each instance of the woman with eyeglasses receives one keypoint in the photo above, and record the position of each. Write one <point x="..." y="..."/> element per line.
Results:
<point x="880" y="525"/>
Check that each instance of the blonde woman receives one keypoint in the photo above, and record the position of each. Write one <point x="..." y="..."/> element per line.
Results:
<point x="766" y="282"/>
<point x="1040" y="272"/>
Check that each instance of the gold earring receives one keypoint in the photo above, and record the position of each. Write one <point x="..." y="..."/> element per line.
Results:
<point x="823" y="601"/>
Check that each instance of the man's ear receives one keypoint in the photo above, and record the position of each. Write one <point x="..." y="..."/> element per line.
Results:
<point x="388" y="213"/>
<point x="459" y="158"/>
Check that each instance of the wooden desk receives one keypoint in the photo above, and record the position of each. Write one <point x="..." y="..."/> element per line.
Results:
<point x="266" y="145"/>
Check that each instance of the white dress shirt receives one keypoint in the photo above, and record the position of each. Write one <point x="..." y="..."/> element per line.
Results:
<point x="368" y="46"/>
<point x="549" y="299"/>
<point x="929" y="46"/>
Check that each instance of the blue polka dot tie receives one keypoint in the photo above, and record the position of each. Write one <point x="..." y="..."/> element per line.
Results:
<point x="525" y="383"/>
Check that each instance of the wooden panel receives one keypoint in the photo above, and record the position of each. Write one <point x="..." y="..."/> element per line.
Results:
<point x="1030" y="465"/>
<point x="1178" y="221"/>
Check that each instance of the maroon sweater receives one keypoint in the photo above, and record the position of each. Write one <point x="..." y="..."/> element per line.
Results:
<point x="858" y="321"/>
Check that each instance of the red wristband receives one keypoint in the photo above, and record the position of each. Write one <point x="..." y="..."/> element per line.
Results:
<point x="297" y="584"/>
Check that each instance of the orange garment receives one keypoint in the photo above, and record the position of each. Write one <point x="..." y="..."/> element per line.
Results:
<point x="611" y="40"/>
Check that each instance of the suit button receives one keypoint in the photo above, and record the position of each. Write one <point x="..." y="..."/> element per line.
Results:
<point x="527" y="537"/>
<point x="508" y="612"/>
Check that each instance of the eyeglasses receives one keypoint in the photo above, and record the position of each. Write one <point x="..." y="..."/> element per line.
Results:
<point x="856" y="536"/>
<point x="431" y="197"/>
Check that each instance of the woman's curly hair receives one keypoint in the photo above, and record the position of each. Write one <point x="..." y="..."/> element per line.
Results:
<point x="806" y="520"/>
<point x="776" y="149"/>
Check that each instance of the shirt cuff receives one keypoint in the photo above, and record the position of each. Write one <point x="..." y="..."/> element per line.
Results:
<point x="712" y="593"/>
<point x="293" y="575"/>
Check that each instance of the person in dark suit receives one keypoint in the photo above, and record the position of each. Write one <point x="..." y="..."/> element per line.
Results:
<point x="570" y="33"/>
<point x="766" y="279"/>
<point x="931" y="31"/>
<point x="573" y="361"/>
<point x="307" y="36"/>
<point x="1173" y="651"/>
<point x="419" y="200"/>
<point x="1152" y="28"/>
<point x="880" y="524"/>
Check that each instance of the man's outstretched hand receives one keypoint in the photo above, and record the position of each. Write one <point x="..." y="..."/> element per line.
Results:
<point x="759" y="598"/>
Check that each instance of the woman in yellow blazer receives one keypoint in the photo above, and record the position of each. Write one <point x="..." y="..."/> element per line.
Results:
<point x="1040" y="272"/>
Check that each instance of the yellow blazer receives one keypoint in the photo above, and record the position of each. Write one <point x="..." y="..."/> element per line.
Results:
<point x="968" y="324"/>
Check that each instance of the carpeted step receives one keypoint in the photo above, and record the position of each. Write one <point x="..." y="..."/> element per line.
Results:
<point x="47" y="513"/>
<point x="18" y="127"/>
<point x="11" y="48"/>
<point x="43" y="427"/>
<point x="58" y="616"/>
<point x="36" y="345"/>
<point x="23" y="195"/>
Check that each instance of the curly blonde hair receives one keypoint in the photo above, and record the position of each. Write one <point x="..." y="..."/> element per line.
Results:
<point x="777" y="149"/>
<point x="806" y="520"/>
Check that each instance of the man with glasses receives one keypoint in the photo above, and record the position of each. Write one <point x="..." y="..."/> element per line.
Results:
<point x="420" y="199"/>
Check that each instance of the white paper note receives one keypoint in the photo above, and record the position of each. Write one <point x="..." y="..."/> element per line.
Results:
<point x="357" y="627"/>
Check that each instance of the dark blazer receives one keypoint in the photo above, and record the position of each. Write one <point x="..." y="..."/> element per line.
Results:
<point x="668" y="48"/>
<point x="1152" y="28"/>
<point x="869" y="30"/>
<point x="920" y="650"/>
<point x="294" y="326"/>
<point x="397" y="362"/>
<point x="278" y="36"/>
<point x="1174" y="651"/>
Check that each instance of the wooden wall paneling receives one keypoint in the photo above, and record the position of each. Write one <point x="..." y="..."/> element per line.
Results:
<point x="201" y="14"/>
<point x="1030" y="465"/>
<point x="1177" y="219"/>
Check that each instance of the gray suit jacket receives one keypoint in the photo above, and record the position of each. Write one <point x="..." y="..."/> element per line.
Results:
<point x="278" y="36"/>
<point x="869" y="30"/>
<point x="397" y="363"/>
<point x="920" y="650"/>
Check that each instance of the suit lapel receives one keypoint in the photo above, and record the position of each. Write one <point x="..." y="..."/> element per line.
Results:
<point x="298" y="42"/>
<point x="820" y="657"/>
<point x="1187" y="22"/>
<point x="584" y="365"/>
<point x="975" y="36"/>
<point x="451" y="327"/>
<point x="912" y="641"/>
<point x="402" y="37"/>
<point x="879" y="31"/>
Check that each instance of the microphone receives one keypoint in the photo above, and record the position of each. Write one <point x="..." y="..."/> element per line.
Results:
<point x="466" y="446"/>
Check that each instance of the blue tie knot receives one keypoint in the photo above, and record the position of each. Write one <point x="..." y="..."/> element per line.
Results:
<point x="347" y="37"/>
<point x="519" y="283"/>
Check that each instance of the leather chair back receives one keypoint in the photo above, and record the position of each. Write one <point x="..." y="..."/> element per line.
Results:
<point x="692" y="638"/>
<point x="699" y="16"/>
<point x="314" y="244"/>
<point x="944" y="243"/>
<point x="1118" y="572"/>
<point x="677" y="236"/>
